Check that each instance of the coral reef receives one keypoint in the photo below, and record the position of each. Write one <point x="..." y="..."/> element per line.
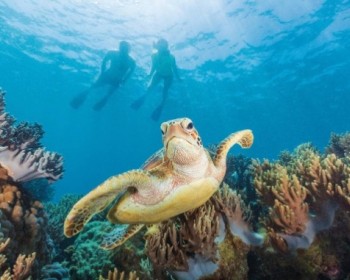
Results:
<point x="87" y="259"/>
<point x="303" y="196"/>
<point x="21" y="268"/>
<point x="23" y="221"/>
<point x="210" y="242"/>
<point x="299" y="211"/>
<point x="40" y="189"/>
<point x="306" y="196"/>
<point x="21" y="153"/>
<point x="339" y="145"/>
<point x="115" y="275"/>
<point x="300" y="218"/>
<point x="56" y="213"/>
<point x="54" y="271"/>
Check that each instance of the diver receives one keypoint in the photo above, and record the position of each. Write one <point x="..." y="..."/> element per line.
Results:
<point x="164" y="69"/>
<point x="116" y="68"/>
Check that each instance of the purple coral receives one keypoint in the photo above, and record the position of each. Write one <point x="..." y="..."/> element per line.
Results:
<point x="21" y="153"/>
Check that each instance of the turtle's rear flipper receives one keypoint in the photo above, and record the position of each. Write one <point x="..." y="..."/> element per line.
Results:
<point x="119" y="235"/>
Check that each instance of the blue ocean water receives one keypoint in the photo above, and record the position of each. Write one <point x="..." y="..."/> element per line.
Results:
<point x="280" y="68"/>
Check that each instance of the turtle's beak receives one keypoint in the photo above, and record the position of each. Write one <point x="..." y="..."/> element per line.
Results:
<point x="172" y="132"/>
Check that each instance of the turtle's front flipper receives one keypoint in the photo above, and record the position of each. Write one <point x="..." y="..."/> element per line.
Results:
<point x="155" y="160"/>
<point x="244" y="138"/>
<point x="119" y="235"/>
<point x="99" y="198"/>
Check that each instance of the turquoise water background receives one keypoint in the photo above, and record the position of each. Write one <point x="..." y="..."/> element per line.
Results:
<point x="281" y="68"/>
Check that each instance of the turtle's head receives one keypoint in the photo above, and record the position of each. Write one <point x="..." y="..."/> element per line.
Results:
<point x="181" y="140"/>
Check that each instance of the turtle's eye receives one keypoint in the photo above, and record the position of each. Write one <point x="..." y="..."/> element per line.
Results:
<point x="163" y="128"/>
<point x="189" y="126"/>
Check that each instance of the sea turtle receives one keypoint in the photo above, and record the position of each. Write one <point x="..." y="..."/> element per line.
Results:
<point x="179" y="177"/>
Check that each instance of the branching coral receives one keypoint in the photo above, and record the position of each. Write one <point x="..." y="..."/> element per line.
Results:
<point x="116" y="275"/>
<point x="200" y="228"/>
<point x="339" y="145"/>
<point x="21" y="153"/>
<point x="194" y="244"/>
<point x="163" y="249"/>
<point x="172" y="243"/>
<point x="265" y="177"/>
<point x="306" y="193"/>
<point x="286" y="200"/>
<point x="23" y="220"/>
<point x="290" y="211"/>
<point x="302" y="192"/>
<point x="326" y="179"/>
<point x="235" y="215"/>
<point x="22" y="267"/>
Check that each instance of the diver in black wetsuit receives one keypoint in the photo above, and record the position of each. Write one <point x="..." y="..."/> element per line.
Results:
<point x="116" y="68"/>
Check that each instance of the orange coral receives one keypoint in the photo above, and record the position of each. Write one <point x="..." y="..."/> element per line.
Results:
<point x="285" y="196"/>
<point x="116" y="275"/>
<point x="194" y="244"/>
<point x="22" y="267"/>
<point x="290" y="211"/>
<point x="308" y="183"/>
<point x="199" y="230"/>
<point x="163" y="248"/>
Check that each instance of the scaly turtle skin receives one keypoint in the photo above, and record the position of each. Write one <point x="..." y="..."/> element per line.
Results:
<point x="180" y="177"/>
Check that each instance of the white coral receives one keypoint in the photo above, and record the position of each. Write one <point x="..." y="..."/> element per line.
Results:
<point x="25" y="166"/>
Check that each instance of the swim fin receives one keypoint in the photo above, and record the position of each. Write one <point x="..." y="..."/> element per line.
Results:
<point x="138" y="103"/>
<point x="157" y="112"/>
<point x="79" y="99"/>
<point x="100" y="104"/>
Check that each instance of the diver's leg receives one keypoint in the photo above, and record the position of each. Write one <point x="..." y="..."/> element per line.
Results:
<point x="100" y="104"/>
<point x="167" y="83"/>
<point x="157" y="112"/>
<point x="78" y="100"/>
<point x="138" y="103"/>
<point x="154" y="82"/>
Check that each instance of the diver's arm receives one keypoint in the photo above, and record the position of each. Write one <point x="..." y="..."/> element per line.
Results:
<point x="105" y="61"/>
<point x="153" y="67"/>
